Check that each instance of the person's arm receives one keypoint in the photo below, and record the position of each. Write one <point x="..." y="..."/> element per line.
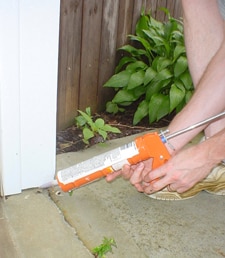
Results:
<point x="204" y="39"/>
<point x="208" y="99"/>
<point x="189" y="166"/>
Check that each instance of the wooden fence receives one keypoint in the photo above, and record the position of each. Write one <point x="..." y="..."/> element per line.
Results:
<point x="90" y="33"/>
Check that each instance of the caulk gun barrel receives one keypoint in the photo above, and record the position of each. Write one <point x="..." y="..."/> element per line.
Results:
<point x="189" y="128"/>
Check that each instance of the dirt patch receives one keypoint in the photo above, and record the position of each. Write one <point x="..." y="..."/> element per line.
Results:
<point x="71" y="139"/>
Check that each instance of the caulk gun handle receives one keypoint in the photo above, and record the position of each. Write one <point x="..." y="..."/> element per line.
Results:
<point x="150" y="145"/>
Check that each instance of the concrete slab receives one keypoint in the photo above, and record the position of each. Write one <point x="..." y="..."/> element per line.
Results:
<point x="51" y="223"/>
<point x="36" y="228"/>
<point x="141" y="226"/>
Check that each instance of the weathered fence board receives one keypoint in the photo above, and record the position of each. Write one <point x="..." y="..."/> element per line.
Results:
<point x="90" y="33"/>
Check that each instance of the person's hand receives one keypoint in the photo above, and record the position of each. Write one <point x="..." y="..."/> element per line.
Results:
<point x="181" y="172"/>
<point x="134" y="173"/>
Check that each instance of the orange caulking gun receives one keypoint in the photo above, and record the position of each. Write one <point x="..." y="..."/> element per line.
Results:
<point x="150" y="145"/>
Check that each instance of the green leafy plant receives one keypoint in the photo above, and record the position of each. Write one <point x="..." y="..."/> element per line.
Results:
<point x="104" y="248"/>
<point x="154" y="73"/>
<point x="92" y="128"/>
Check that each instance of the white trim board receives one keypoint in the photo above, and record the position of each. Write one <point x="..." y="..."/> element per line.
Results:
<point x="28" y="92"/>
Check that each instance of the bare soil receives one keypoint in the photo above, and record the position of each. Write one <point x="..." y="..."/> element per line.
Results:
<point x="71" y="139"/>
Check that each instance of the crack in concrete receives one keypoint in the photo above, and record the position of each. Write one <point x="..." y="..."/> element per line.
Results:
<point x="66" y="221"/>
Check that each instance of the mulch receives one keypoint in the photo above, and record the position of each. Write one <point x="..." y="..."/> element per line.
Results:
<point x="71" y="139"/>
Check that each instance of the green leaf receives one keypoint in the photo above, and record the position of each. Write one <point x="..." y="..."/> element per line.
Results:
<point x="156" y="24"/>
<point x="188" y="95"/>
<point x="164" y="108"/>
<point x="99" y="123"/>
<point x="87" y="117"/>
<point x="158" y="107"/>
<point x="141" y="25"/>
<point x="180" y="66"/>
<point x="87" y="133"/>
<point x="133" y="51"/>
<point x="88" y="111"/>
<point x="118" y="80"/>
<point x="103" y="133"/>
<point x="178" y="51"/>
<point x="123" y="61"/>
<point x="112" y="107"/>
<point x="149" y="75"/>
<point x="159" y="41"/>
<point x="156" y="87"/>
<point x="141" y="40"/>
<point x="162" y="63"/>
<point x="141" y="112"/>
<point x="123" y="96"/>
<point x="187" y="80"/>
<point x="80" y="121"/>
<point x="139" y="91"/>
<point x="154" y="106"/>
<point x="112" y="129"/>
<point x="176" y="96"/>
<point x="163" y="75"/>
<point x="136" y="66"/>
<point x="136" y="80"/>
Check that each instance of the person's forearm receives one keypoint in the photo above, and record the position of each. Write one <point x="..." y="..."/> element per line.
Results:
<point x="215" y="146"/>
<point x="208" y="100"/>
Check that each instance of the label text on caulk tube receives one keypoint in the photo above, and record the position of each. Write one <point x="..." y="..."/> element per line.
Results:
<point x="115" y="158"/>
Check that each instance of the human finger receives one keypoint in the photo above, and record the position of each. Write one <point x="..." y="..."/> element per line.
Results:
<point x="127" y="171"/>
<point x="157" y="185"/>
<point x="136" y="177"/>
<point x="110" y="177"/>
<point x="155" y="174"/>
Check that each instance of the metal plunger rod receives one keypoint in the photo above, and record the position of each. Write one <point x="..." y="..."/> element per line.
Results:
<point x="189" y="128"/>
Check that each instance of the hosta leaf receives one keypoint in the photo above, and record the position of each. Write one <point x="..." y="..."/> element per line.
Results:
<point x="123" y="96"/>
<point x="125" y="104"/>
<point x="154" y="106"/>
<point x="150" y="74"/>
<point x="163" y="75"/>
<point x="141" y="112"/>
<point x="136" y="80"/>
<point x="138" y="65"/>
<point x="164" y="108"/>
<point x="180" y="66"/>
<point x="188" y="95"/>
<point x="143" y="41"/>
<point x="112" y="107"/>
<point x="178" y="36"/>
<point x="163" y="63"/>
<point x="130" y="49"/>
<point x="156" y="24"/>
<point x="187" y="80"/>
<point x="118" y="80"/>
<point x="156" y="87"/>
<point x="123" y="61"/>
<point x="176" y="96"/>
<point x="139" y="91"/>
<point x="159" y="41"/>
<point x="169" y="27"/>
<point x="178" y="51"/>
<point x="141" y="25"/>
